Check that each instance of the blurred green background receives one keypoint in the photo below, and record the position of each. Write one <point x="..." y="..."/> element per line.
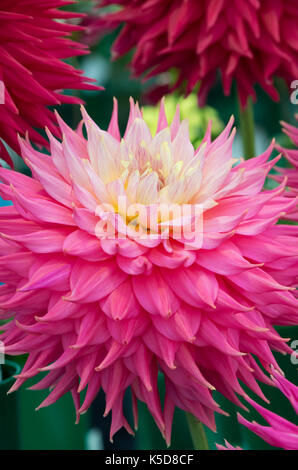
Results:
<point x="53" y="427"/>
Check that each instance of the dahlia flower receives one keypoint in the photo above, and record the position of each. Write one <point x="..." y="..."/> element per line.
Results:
<point x="250" y="42"/>
<point x="290" y="173"/>
<point x="105" y="288"/>
<point x="32" y="73"/>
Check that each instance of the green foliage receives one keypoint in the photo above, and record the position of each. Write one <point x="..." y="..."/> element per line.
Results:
<point x="197" y="117"/>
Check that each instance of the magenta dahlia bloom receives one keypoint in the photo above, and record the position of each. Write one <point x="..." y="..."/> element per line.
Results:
<point x="290" y="173"/>
<point x="32" y="46"/>
<point x="108" y="289"/>
<point x="247" y="41"/>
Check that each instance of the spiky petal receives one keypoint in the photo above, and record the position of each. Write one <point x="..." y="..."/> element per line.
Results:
<point x="34" y="38"/>
<point x="287" y="388"/>
<point x="280" y="433"/>
<point x="249" y="42"/>
<point x="290" y="173"/>
<point x="227" y="446"/>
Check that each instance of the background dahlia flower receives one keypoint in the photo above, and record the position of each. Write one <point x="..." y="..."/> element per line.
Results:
<point x="34" y="38"/>
<point x="247" y="41"/>
<point x="290" y="173"/>
<point x="95" y="310"/>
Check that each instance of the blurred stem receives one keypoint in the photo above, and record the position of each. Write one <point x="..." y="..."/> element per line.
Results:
<point x="197" y="432"/>
<point x="247" y="127"/>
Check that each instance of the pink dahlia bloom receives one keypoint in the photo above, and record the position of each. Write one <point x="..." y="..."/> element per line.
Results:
<point x="32" y="73"/>
<point x="103" y="295"/>
<point x="290" y="173"/>
<point x="247" y="41"/>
